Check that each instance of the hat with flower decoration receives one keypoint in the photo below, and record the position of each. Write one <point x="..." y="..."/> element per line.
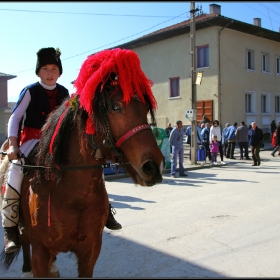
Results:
<point x="48" y="56"/>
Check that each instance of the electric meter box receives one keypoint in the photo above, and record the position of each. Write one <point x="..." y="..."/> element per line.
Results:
<point x="190" y="114"/>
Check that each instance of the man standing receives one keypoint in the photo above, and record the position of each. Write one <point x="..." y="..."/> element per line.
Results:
<point x="242" y="138"/>
<point x="231" y="139"/>
<point x="255" y="137"/>
<point x="168" y="129"/>
<point x="176" y="141"/>
<point x="205" y="139"/>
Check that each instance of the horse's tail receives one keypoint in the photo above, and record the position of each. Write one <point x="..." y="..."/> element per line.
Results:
<point x="7" y="259"/>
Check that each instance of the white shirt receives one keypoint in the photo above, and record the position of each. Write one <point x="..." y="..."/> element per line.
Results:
<point x="17" y="115"/>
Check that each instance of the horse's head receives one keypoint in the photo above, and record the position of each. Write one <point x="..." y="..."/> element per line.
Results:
<point x="117" y="97"/>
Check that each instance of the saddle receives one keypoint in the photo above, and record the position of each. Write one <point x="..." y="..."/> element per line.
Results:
<point x="28" y="159"/>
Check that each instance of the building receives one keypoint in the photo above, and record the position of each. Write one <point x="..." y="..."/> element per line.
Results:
<point x="4" y="106"/>
<point x="240" y="64"/>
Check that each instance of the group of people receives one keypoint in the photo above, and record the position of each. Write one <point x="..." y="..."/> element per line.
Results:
<point x="36" y="102"/>
<point x="218" y="141"/>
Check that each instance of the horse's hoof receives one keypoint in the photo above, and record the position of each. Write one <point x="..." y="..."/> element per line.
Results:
<point x="27" y="274"/>
<point x="55" y="274"/>
<point x="54" y="271"/>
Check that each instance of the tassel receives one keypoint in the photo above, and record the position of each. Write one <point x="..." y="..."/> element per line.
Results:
<point x="90" y="126"/>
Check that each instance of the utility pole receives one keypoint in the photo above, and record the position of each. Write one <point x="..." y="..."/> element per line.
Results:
<point x="193" y="85"/>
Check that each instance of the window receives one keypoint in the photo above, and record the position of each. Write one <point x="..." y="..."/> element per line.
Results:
<point x="277" y="65"/>
<point x="265" y="103"/>
<point x="250" y="60"/>
<point x="277" y="103"/>
<point x="265" y="63"/>
<point x="250" y="102"/>
<point x="202" y="58"/>
<point x="174" y="87"/>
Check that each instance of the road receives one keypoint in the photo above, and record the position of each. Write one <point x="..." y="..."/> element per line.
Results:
<point x="219" y="222"/>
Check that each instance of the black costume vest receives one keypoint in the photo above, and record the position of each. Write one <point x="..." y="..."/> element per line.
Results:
<point x="39" y="108"/>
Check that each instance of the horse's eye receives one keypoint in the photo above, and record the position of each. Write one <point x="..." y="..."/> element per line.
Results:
<point x="116" y="107"/>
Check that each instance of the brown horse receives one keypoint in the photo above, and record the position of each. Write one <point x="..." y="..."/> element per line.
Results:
<point x="64" y="203"/>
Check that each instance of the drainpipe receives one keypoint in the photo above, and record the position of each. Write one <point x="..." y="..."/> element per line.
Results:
<point x="219" y="75"/>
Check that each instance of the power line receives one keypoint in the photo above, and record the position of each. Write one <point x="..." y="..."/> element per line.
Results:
<point x="109" y="43"/>
<point x="89" y="14"/>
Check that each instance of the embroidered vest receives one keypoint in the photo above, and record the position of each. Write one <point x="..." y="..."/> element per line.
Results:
<point x="39" y="108"/>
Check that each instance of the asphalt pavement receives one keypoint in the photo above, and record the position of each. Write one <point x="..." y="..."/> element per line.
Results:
<point x="219" y="222"/>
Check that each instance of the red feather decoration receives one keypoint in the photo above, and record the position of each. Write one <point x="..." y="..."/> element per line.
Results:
<point x="125" y="64"/>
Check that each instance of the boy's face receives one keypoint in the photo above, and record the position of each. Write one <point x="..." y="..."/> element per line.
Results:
<point x="49" y="74"/>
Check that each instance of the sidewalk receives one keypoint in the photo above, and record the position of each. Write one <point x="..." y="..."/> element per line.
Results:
<point x="201" y="164"/>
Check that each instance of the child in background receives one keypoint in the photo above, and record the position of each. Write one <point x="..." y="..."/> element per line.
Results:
<point x="214" y="149"/>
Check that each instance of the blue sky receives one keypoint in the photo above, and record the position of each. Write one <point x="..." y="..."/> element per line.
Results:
<point x="82" y="28"/>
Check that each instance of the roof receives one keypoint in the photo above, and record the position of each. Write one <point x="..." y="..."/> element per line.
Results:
<point x="202" y="21"/>
<point x="7" y="76"/>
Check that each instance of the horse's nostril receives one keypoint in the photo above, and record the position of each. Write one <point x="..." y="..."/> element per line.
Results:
<point x="149" y="168"/>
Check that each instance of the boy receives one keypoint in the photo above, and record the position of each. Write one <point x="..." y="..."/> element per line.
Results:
<point x="36" y="102"/>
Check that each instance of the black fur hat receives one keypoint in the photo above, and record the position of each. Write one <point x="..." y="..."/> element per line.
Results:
<point x="48" y="56"/>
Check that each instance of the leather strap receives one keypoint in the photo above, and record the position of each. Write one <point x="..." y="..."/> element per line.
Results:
<point x="131" y="133"/>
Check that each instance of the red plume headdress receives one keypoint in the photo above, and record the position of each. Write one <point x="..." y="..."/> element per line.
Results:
<point x="125" y="64"/>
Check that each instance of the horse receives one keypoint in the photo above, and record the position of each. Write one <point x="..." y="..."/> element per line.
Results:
<point x="64" y="202"/>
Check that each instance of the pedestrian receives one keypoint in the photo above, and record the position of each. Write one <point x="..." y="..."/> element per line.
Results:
<point x="277" y="141"/>
<point x="231" y="139"/>
<point x="188" y="139"/>
<point x="205" y="139"/>
<point x="242" y="138"/>
<point x="198" y="137"/>
<point x="215" y="129"/>
<point x="204" y="119"/>
<point x="273" y="126"/>
<point x="255" y="137"/>
<point x="168" y="131"/>
<point x="224" y="141"/>
<point x="214" y="149"/>
<point x="176" y="141"/>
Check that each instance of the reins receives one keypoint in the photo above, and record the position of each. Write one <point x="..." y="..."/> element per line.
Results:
<point x="63" y="168"/>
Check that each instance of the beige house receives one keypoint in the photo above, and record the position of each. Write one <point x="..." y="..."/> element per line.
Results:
<point x="240" y="64"/>
<point x="5" y="107"/>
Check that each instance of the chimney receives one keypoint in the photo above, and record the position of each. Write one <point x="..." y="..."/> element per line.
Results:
<point x="215" y="9"/>
<point x="258" y="22"/>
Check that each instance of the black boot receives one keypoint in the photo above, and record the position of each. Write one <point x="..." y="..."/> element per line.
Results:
<point x="11" y="239"/>
<point x="111" y="222"/>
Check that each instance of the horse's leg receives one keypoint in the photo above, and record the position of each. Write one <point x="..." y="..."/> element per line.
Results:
<point x="41" y="261"/>
<point x="86" y="261"/>
<point x="26" y="267"/>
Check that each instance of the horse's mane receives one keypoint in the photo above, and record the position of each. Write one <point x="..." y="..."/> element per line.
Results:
<point x="53" y="144"/>
<point x="70" y="118"/>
